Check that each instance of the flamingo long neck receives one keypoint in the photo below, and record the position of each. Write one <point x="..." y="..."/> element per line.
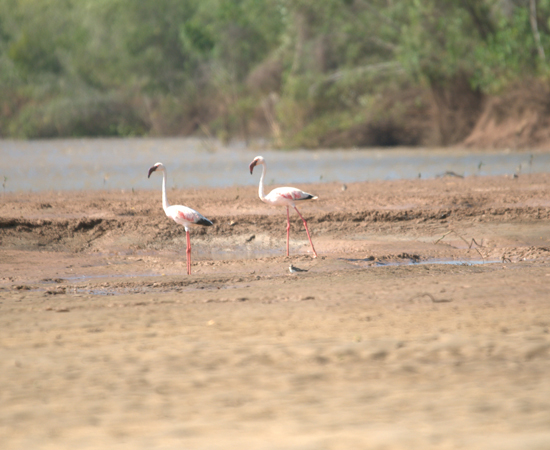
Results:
<point x="261" y="187"/>
<point x="165" y="204"/>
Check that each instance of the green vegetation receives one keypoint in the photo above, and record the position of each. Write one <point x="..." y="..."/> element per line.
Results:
<point x="303" y="72"/>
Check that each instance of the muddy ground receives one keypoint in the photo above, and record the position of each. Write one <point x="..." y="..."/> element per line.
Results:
<point x="423" y="323"/>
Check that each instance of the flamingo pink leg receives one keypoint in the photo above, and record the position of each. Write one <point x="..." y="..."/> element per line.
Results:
<point x="307" y="231"/>
<point x="188" y="251"/>
<point x="287" y="229"/>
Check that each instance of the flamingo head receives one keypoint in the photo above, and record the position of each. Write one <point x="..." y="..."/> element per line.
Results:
<point x="257" y="160"/>
<point x="158" y="166"/>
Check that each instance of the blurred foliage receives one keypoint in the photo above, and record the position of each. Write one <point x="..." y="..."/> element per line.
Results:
<point x="303" y="71"/>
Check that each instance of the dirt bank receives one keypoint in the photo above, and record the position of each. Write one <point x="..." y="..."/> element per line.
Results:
<point x="520" y="118"/>
<point x="450" y="114"/>
<point x="422" y="324"/>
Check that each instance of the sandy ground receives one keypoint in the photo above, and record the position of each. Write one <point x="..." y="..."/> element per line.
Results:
<point x="105" y="342"/>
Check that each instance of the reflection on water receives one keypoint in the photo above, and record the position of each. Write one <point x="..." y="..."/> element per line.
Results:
<point x="123" y="163"/>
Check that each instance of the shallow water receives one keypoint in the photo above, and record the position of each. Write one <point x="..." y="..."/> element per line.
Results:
<point x="110" y="291"/>
<point x="411" y="262"/>
<point x="96" y="164"/>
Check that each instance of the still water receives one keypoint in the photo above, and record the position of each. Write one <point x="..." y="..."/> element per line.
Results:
<point x="67" y="164"/>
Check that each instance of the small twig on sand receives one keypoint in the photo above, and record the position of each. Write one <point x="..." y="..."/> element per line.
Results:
<point x="469" y="244"/>
<point x="431" y="297"/>
<point x="474" y="242"/>
<point x="443" y="237"/>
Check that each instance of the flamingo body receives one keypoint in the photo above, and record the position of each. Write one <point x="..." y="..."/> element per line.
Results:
<point x="286" y="196"/>
<point x="180" y="214"/>
<point x="283" y="196"/>
<point x="186" y="216"/>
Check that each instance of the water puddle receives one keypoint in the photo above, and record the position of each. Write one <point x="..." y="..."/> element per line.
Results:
<point x="77" y="278"/>
<point x="101" y="292"/>
<point x="60" y="286"/>
<point x="372" y="262"/>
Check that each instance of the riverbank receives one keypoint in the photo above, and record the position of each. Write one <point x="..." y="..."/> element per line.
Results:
<point x="422" y="324"/>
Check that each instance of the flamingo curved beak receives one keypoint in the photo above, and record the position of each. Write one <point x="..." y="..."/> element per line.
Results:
<point x="151" y="170"/>
<point x="252" y="165"/>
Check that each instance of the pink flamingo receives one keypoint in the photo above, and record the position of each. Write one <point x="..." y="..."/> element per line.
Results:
<point x="283" y="196"/>
<point x="180" y="214"/>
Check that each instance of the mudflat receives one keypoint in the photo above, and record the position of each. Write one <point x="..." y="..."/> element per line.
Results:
<point x="423" y="323"/>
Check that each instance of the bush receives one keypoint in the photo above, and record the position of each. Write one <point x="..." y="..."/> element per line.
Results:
<point x="92" y="115"/>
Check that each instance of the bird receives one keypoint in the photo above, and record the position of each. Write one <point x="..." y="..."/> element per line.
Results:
<point x="294" y="269"/>
<point x="180" y="214"/>
<point x="283" y="196"/>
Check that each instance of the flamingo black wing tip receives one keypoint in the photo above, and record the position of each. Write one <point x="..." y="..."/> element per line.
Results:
<point x="205" y="222"/>
<point x="309" y="197"/>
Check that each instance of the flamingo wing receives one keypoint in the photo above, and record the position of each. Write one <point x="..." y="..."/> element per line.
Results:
<point x="186" y="216"/>
<point x="288" y="195"/>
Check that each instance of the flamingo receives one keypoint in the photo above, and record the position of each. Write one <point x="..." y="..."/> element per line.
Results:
<point x="180" y="214"/>
<point x="283" y="196"/>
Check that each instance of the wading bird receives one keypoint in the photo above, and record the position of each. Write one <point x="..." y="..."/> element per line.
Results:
<point x="283" y="196"/>
<point x="180" y="214"/>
